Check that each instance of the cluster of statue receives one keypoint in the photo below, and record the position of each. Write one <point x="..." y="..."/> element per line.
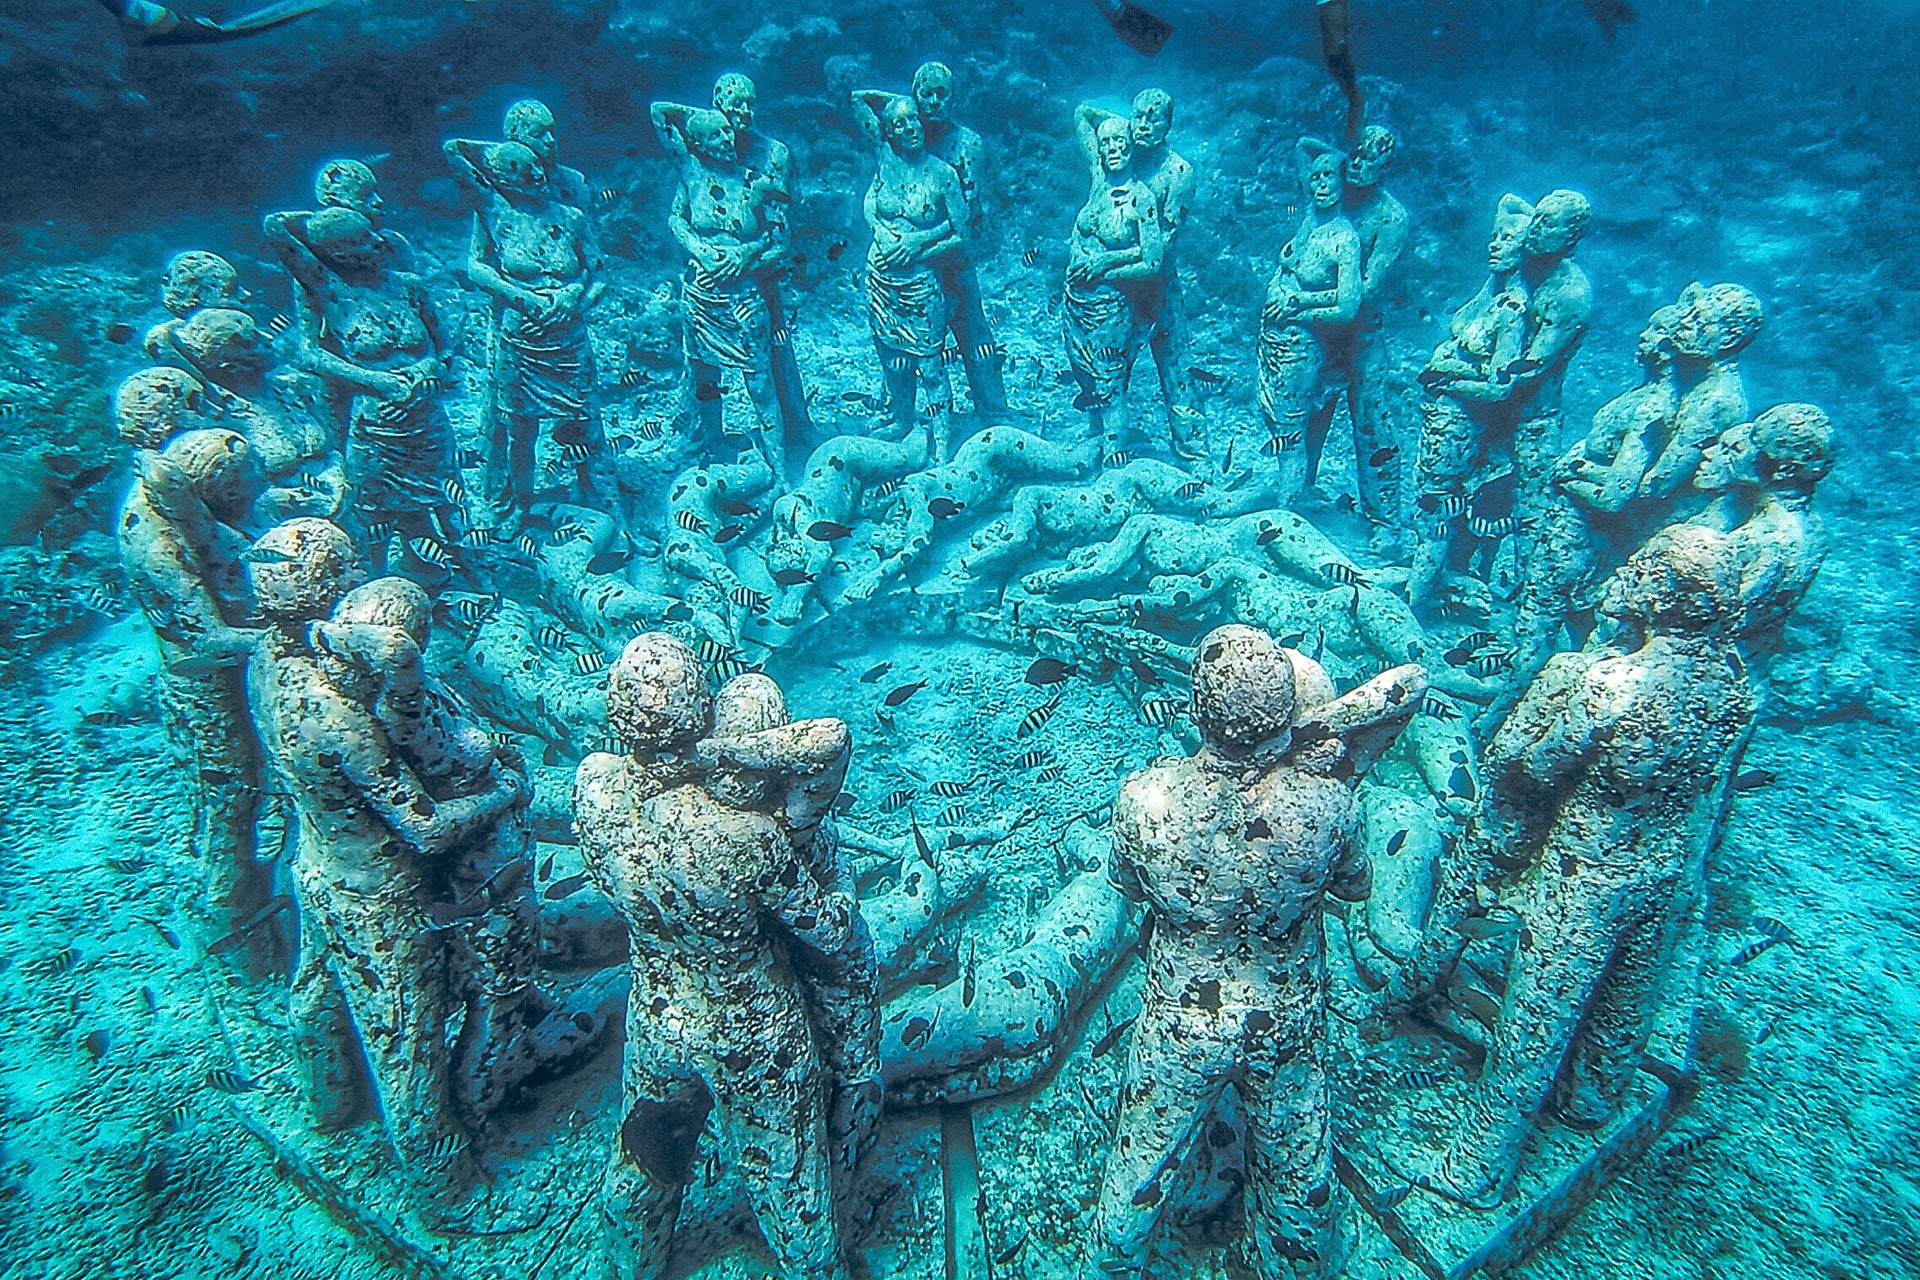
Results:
<point x="297" y="528"/>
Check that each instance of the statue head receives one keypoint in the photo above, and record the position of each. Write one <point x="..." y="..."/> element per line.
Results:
<point x="1243" y="690"/>
<point x="153" y="404"/>
<point x="1716" y="322"/>
<point x="197" y="279"/>
<point x="1684" y="578"/>
<point x="223" y="345"/>
<point x="1656" y="339"/>
<point x="513" y="169"/>
<point x="1320" y="165"/>
<point x="400" y="603"/>
<point x="1114" y="140"/>
<point x="343" y="240"/>
<point x="900" y="123"/>
<point x="710" y="134"/>
<point x="1507" y="245"/>
<point x="301" y="569"/>
<point x="1788" y="448"/>
<point x="1152" y="117"/>
<point x="733" y="97"/>
<point x="219" y="467"/>
<point x="748" y="703"/>
<point x="657" y="699"/>
<point x="348" y="184"/>
<point x="530" y="124"/>
<point x="1371" y="157"/>
<point x="1559" y="220"/>
<point x="933" y="92"/>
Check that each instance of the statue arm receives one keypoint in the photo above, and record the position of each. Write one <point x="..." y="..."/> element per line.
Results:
<point x="680" y="224"/>
<point x="1501" y="378"/>
<point x="1387" y="247"/>
<point x="669" y="125"/>
<point x="319" y="360"/>
<point x="1144" y="259"/>
<point x="467" y="159"/>
<point x="485" y="275"/>
<point x="1697" y="424"/>
<point x="286" y="235"/>
<point x="827" y="920"/>
<point x="867" y="106"/>
<point x="392" y="791"/>
<point x="169" y="584"/>
<point x="1086" y="127"/>
<point x="1342" y="302"/>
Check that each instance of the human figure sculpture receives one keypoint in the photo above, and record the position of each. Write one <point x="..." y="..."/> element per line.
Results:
<point x="1762" y="476"/>
<point x="1559" y="302"/>
<point x="181" y="545"/>
<point x="1600" y="789"/>
<point x="351" y="184"/>
<point x="530" y="123"/>
<point x="1381" y="223"/>
<point x="513" y="1035"/>
<point x="1312" y="299"/>
<point x="374" y="969"/>
<point x="1710" y="327"/>
<point x="153" y="405"/>
<point x="1169" y="175"/>
<point x="1116" y="253"/>
<point x="532" y="250"/>
<point x="980" y="352"/>
<point x="274" y="407"/>
<point x="375" y="333"/>
<point x="917" y="211"/>
<point x="1468" y="382"/>
<point x="1233" y="850"/>
<point x="721" y="1035"/>
<point x="193" y="280"/>
<point x="769" y="165"/>
<point x="724" y="218"/>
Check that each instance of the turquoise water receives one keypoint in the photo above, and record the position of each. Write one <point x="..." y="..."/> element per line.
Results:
<point x="155" y="1121"/>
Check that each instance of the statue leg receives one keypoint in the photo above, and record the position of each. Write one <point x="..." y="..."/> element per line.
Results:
<point x="333" y="1075"/>
<point x="774" y="1130"/>
<point x="1617" y="1026"/>
<point x="783" y="309"/>
<point x="1286" y="378"/>
<point x="1295" y="1213"/>
<point x="762" y="390"/>
<point x="1319" y="422"/>
<point x="1167" y="342"/>
<point x="708" y="394"/>
<point x="659" y="1139"/>
<point x="1448" y="437"/>
<point x="1575" y="935"/>
<point x="980" y="353"/>
<point x="843" y="997"/>
<point x="1379" y="483"/>
<point x="502" y="482"/>
<point x="902" y="381"/>
<point x="931" y="374"/>
<point x="1171" y="1086"/>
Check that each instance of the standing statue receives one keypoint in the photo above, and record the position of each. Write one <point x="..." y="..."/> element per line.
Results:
<point x="1170" y="177"/>
<point x="1381" y="223"/>
<point x="513" y="1034"/>
<point x="1710" y="327"/>
<point x="1233" y="850"/>
<point x="532" y="249"/>
<point x="1312" y="300"/>
<point x="724" y="218"/>
<point x="720" y="899"/>
<point x="1468" y="383"/>
<point x="1762" y="475"/>
<point x="1559" y="302"/>
<point x="917" y="212"/>
<point x="181" y="548"/>
<point x="376" y="333"/>
<point x="980" y="353"/>
<point x="373" y="981"/>
<point x="1115" y="254"/>
<point x="769" y="165"/>
<point x="1600" y="791"/>
<point x="276" y="408"/>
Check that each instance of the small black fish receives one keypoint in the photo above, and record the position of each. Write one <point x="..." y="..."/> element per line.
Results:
<point x="1441" y="504"/>
<point x="835" y="250"/>
<point x="1381" y="457"/>
<point x="690" y="522"/>
<point x="734" y="506"/>
<point x="1754" y="950"/>
<point x="897" y="800"/>
<point x="1396" y="842"/>
<point x="226" y="1080"/>
<point x="943" y="508"/>
<point x="707" y="392"/>
<point x="1491" y="664"/>
<point x="167" y="935"/>
<point x="947" y="789"/>
<point x="827" y="531"/>
<point x="1474" y="641"/>
<point x="1689" y="1144"/>
<point x="119" y="333"/>
<point x="679" y="611"/>
<point x="1030" y="759"/>
<point x="1089" y="400"/>
<point x="1037" y="718"/>
<point x="874" y="672"/>
<point x="1343" y="574"/>
<point x="1012" y="1251"/>
<point x="562" y="888"/>
<point x="546" y="866"/>
<point x="1142" y="672"/>
<point x="1031" y="256"/>
<point x="1108" y="1041"/>
<point x="61" y="961"/>
<point x="1207" y="377"/>
<point x="265" y="555"/>
<point x="918" y="1031"/>
<point x="1421" y="1078"/>
<point x="1158" y="712"/>
<point x="1754" y="779"/>
<point x="749" y="599"/>
<point x="1267" y="535"/>
<point x="727" y="533"/>
<point x="905" y="691"/>
<point x="1438" y="707"/>
<point x="1045" y="671"/>
<point x="791" y="577"/>
<point x="610" y="561"/>
<point x="126" y="866"/>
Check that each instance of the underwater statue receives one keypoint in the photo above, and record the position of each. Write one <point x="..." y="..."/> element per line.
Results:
<point x="182" y="548"/>
<point x="917" y="212"/>
<point x="1234" y="850"/>
<point x="723" y="216"/>
<point x="374" y="982"/>
<point x="192" y="280"/>
<point x="769" y="166"/>
<point x="1600" y="790"/>
<point x="1115" y="254"/>
<point x="351" y="184"/>
<point x="980" y="353"/>
<point x="375" y="334"/>
<point x="719" y="883"/>
<point x="513" y="1035"/>
<point x="1762" y="476"/>
<point x="1381" y="223"/>
<point x="1169" y="176"/>
<point x="1710" y="326"/>
<point x="276" y="408"/>
<point x="1559" y="304"/>
<point x="1467" y="382"/>
<point x="1312" y="299"/>
<point x="533" y="251"/>
<point x="153" y="405"/>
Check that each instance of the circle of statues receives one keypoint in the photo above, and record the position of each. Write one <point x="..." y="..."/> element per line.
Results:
<point x="305" y="515"/>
